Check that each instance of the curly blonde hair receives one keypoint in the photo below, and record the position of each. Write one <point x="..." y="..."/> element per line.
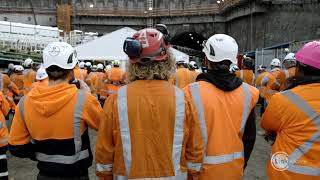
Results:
<point x="161" y="70"/>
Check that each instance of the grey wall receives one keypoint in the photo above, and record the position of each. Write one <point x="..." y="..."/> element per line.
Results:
<point x="273" y="22"/>
<point x="281" y="23"/>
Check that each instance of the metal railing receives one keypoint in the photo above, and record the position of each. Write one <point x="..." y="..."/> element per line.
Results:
<point x="37" y="10"/>
<point x="156" y="12"/>
<point x="191" y="9"/>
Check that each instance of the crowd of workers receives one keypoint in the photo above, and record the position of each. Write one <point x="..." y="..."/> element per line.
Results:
<point x="161" y="119"/>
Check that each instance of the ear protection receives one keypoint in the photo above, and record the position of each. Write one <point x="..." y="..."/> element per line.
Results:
<point x="132" y="47"/>
<point x="164" y="30"/>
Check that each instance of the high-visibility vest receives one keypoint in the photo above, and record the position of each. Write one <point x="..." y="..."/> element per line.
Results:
<point x="295" y="116"/>
<point x="215" y="159"/>
<point x="247" y="76"/>
<point x="184" y="77"/>
<point x="178" y="135"/>
<point x="79" y="154"/>
<point x="29" y="77"/>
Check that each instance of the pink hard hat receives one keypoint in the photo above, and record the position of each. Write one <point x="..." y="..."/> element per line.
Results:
<point x="309" y="54"/>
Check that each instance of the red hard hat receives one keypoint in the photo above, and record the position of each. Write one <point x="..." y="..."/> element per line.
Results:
<point x="152" y="46"/>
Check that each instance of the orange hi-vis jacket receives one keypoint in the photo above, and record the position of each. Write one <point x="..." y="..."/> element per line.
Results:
<point x="80" y="74"/>
<point x="44" y="82"/>
<point x="91" y="81"/>
<point x="17" y="79"/>
<point x="151" y="131"/>
<point x="4" y="134"/>
<point x="8" y="89"/>
<point x="259" y="79"/>
<point x="100" y="85"/>
<point x="246" y="75"/>
<point x="115" y="78"/>
<point x="29" y="77"/>
<point x="294" y="115"/>
<point x="184" y="77"/>
<point x="194" y="75"/>
<point x="223" y="117"/>
<point x="271" y="83"/>
<point x="50" y="125"/>
<point x="288" y="73"/>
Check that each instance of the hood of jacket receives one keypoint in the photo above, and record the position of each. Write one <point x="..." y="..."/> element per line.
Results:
<point x="49" y="99"/>
<point x="224" y="80"/>
<point x="297" y="81"/>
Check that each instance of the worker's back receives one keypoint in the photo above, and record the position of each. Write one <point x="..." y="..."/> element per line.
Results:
<point x="259" y="78"/>
<point x="100" y="85"/>
<point x="80" y="74"/>
<point x="115" y="78"/>
<point x="224" y="118"/>
<point x="56" y="119"/>
<point x="4" y="136"/>
<point x="287" y="73"/>
<point x="246" y="75"/>
<point x="29" y="77"/>
<point x="158" y="119"/>
<point x="6" y="86"/>
<point x="294" y="116"/>
<point x="115" y="74"/>
<point x="91" y="81"/>
<point x="44" y="82"/>
<point x="17" y="79"/>
<point x="183" y="77"/>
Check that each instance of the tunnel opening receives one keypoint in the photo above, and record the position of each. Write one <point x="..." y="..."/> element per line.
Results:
<point x="190" y="40"/>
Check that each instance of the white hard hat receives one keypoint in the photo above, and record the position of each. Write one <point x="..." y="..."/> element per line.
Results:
<point x="275" y="62"/>
<point x="193" y="65"/>
<point x="28" y="62"/>
<point x="94" y="67"/>
<point x="100" y="66"/>
<point x="261" y="67"/>
<point x="220" y="47"/>
<point x="116" y="62"/>
<point x="108" y="67"/>
<point x="88" y="64"/>
<point x="290" y="57"/>
<point x="60" y="54"/>
<point x="41" y="74"/>
<point x="11" y="66"/>
<point x="18" y="68"/>
<point x="82" y="64"/>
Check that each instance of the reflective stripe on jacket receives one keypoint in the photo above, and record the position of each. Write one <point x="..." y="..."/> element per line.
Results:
<point x="295" y="116"/>
<point x="224" y="115"/>
<point x="156" y="137"/>
<point x="247" y="76"/>
<point x="77" y="119"/>
<point x="50" y="125"/>
<point x="183" y="77"/>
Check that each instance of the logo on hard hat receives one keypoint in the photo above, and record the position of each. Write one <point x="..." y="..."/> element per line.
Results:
<point x="280" y="161"/>
<point x="54" y="51"/>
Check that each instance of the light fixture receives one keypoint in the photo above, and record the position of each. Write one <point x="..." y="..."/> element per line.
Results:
<point x="218" y="2"/>
<point x="198" y="42"/>
<point x="191" y="37"/>
<point x="190" y="34"/>
<point x="150" y="8"/>
<point x="91" y="6"/>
